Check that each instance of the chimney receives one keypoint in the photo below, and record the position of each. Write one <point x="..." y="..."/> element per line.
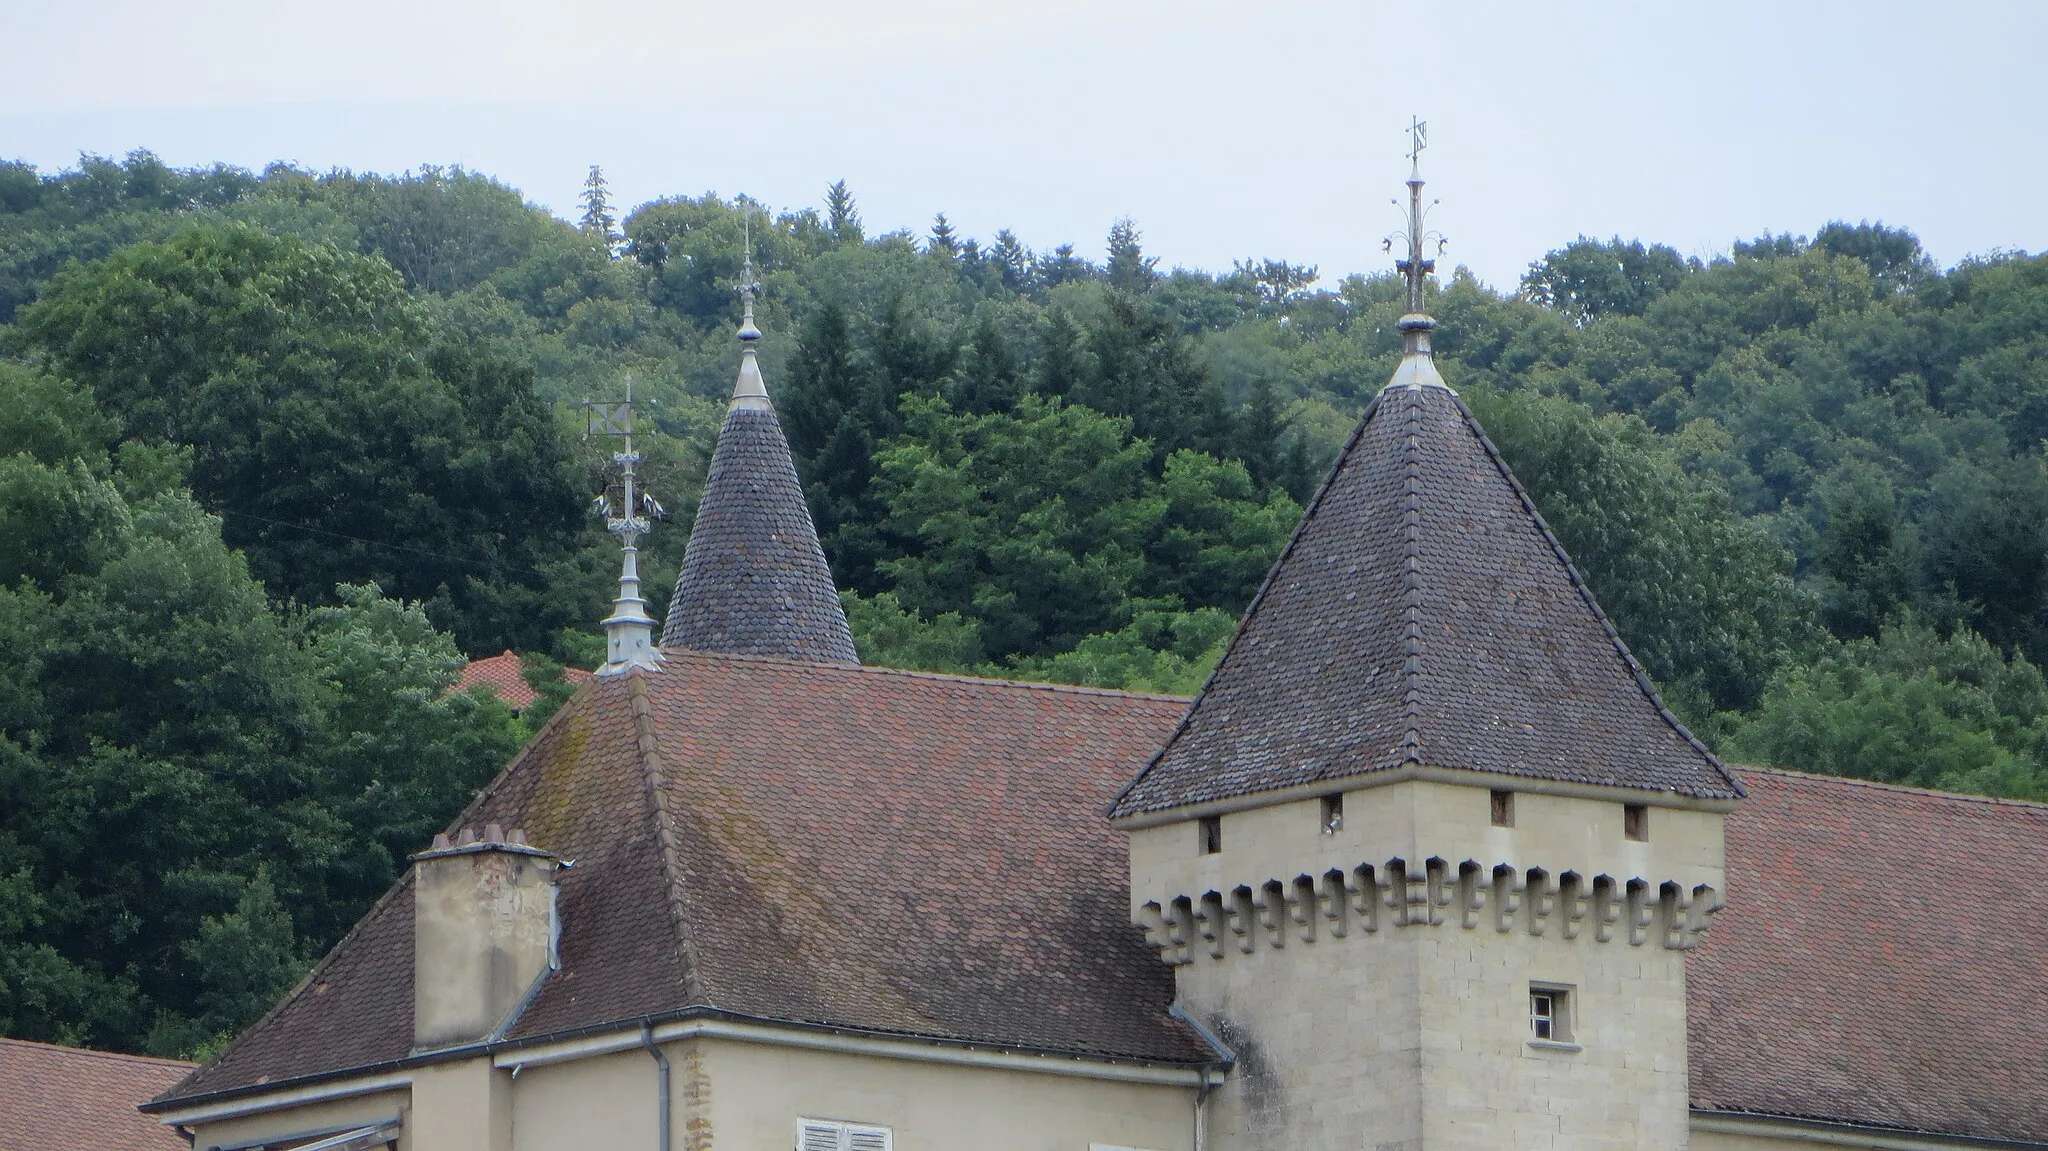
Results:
<point x="484" y="932"/>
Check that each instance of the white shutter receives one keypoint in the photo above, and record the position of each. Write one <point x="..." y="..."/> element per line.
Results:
<point x="866" y="1138"/>
<point x="816" y="1135"/>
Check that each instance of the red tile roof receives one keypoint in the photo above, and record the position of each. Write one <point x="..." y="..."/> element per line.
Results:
<point x="69" y="1097"/>
<point x="850" y="847"/>
<point x="503" y="675"/>
<point x="918" y="854"/>
<point x="1883" y="959"/>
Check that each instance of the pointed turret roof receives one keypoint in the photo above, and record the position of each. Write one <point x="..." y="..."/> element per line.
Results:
<point x="1423" y="615"/>
<point x="754" y="580"/>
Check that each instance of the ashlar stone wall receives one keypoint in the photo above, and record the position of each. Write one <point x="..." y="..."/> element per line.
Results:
<point x="1375" y="977"/>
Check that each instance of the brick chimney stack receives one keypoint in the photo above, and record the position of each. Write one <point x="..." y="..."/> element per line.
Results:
<point x="484" y="932"/>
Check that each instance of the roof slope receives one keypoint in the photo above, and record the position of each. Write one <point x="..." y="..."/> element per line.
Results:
<point x="754" y="580"/>
<point x="1880" y="961"/>
<point x="505" y="677"/>
<point x="1423" y="613"/>
<point x="836" y="845"/>
<point x="70" y="1097"/>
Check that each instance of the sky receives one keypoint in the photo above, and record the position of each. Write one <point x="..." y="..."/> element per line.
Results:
<point x="1227" y="131"/>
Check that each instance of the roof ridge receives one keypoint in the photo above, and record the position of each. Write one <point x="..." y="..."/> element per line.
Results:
<point x="1251" y="607"/>
<point x="648" y="757"/>
<point x="1628" y="658"/>
<point x="1410" y="746"/>
<point x="96" y="1053"/>
<point x="915" y="673"/>
<point x="1905" y="788"/>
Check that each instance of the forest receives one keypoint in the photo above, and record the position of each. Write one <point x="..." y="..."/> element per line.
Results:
<point x="280" y="450"/>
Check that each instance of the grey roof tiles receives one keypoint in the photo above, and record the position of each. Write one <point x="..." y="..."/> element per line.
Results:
<point x="1423" y="613"/>
<point x="754" y="580"/>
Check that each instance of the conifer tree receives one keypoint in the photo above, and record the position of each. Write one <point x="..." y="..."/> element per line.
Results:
<point x="1129" y="269"/>
<point x="599" y="223"/>
<point x="943" y="241"/>
<point x="842" y="216"/>
<point x="1257" y="432"/>
<point x="1061" y="366"/>
<point x="1013" y="259"/>
<point x="1063" y="265"/>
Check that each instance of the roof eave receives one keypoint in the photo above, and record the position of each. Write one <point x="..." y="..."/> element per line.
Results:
<point x="628" y="1030"/>
<point x="1412" y="772"/>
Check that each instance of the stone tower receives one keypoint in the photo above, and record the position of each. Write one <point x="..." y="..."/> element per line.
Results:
<point x="754" y="580"/>
<point x="1428" y="851"/>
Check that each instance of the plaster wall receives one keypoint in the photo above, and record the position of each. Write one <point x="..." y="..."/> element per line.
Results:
<point x="600" y="1101"/>
<point x="338" y="1115"/>
<point x="464" y="1106"/>
<point x="752" y="1095"/>
<point x="1418" y="1037"/>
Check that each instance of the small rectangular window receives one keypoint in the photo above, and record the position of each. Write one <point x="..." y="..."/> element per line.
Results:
<point x="1503" y="809"/>
<point x="1212" y="834"/>
<point x="1635" y="821"/>
<point x="832" y="1135"/>
<point x="1550" y="1013"/>
<point x="1333" y="814"/>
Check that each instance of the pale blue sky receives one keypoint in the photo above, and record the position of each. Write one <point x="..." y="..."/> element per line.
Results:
<point x="1226" y="130"/>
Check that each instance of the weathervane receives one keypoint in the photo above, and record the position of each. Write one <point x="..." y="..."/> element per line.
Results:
<point x="1415" y="267"/>
<point x="629" y="630"/>
<point x="749" y="391"/>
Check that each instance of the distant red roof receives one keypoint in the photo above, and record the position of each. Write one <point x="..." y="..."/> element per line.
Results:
<point x="71" y="1097"/>
<point x="502" y="675"/>
<point x="1881" y="960"/>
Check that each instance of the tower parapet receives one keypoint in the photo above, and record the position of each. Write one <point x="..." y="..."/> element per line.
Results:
<point x="1428" y="851"/>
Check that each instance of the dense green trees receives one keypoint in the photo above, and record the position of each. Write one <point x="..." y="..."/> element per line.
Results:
<point x="276" y="448"/>
<point x="339" y="436"/>
<point x="198" y="790"/>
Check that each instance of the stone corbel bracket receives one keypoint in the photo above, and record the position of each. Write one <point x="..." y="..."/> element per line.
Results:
<point x="1399" y="894"/>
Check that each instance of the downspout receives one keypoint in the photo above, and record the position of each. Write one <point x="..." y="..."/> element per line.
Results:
<point x="1224" y="1061"/>
<point x="662" y="1088"/>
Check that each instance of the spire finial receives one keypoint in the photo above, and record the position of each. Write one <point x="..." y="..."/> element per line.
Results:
<point x="629" y="630"/>
<point x="749" y="391"/>
<point x="1416" y="266"/>
<point x="1417" y="368"/>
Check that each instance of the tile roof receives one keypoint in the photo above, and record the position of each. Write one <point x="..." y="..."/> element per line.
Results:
<point x="921" y="854"/>
<point x="1883" y="960"/>
<point x="70" y="1097"/>
<point x="852" y="847"/>
<point x="1423" y="613"/>
<point x="504" y="676"/>
<point x="754" y="580"/>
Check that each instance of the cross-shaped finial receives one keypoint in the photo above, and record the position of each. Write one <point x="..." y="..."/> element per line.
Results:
<point x="748" y="285"/>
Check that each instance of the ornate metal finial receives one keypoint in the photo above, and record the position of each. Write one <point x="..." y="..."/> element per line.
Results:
<point x="1416" y="266"/>
<point x="749" y="391"/>
<point x="629" y="630"/>
<point x="1417" y="368"/>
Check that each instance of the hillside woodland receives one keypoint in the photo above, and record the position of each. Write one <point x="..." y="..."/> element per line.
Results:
<point x="279" y="450"/>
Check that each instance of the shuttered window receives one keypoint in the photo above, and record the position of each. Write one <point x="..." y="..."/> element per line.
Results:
<point x="832" y="1135"/>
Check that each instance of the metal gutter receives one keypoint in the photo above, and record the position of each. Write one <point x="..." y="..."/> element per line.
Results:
<point x="688" y="1022"/>
<point x="1835" y="1134"/>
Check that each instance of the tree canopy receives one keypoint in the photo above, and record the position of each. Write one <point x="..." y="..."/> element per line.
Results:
<point x="277" y="449"/>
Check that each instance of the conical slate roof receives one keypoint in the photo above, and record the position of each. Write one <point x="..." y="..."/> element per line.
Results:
<point x="754" y="580"/>
<point x="1423" y="614"/>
